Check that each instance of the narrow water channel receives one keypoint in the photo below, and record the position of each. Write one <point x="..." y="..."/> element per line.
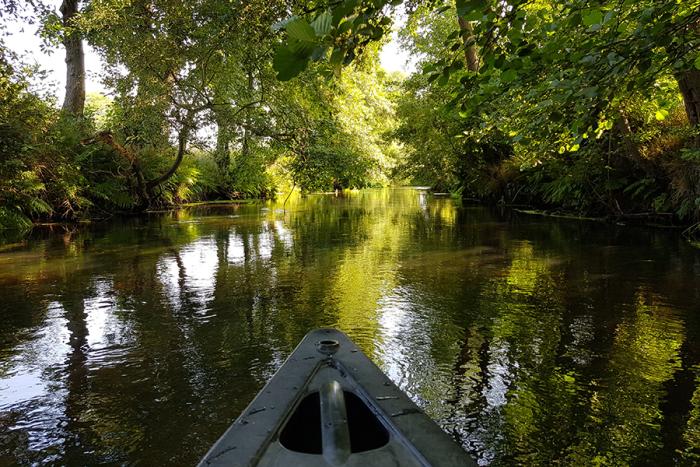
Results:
<point x="529" y="340"/>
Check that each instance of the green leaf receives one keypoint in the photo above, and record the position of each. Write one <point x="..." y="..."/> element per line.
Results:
<point x="509" y="75"/>
<point x="301" y="48"/>
<point x="300" y="30"/>
<point x="697" y="62"/>
<point x="590" y="92"/>
<point x="345" y="25"/>
<point x="319" y="53"/>
<point x="337" y="56"/>
<point x="592" y="17"/>
<point x="288" y="64"/>
<point x="470" y="8"/>
<point x="344" y="9"/>
<point x="322" y="24"/>
<point x="661" y="114"/>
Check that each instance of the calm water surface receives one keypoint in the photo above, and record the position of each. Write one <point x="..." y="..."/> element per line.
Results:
<point x="530" y="340"/>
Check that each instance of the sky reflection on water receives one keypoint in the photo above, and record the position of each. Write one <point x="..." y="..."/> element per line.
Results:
<point x="530" y="341"/>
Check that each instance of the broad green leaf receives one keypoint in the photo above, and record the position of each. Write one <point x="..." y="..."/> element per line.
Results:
<point x="337" y="56"/>
<point x="592" y="17"/>
<point x="346" y="25"/>
<point x="322" y="24"/>
<point x="319" y="53"/>
<point x="470" y="7"/>
<point x="509" y="75"/>
<point x="301" y="48"/>
<point x="697" y="62"/>
<point x="609" y="15"/>
<point x="300" y="30"/>
<point x="288" y="64"/>
<point x="344" y="9"/>
<point x="336" y="61"/>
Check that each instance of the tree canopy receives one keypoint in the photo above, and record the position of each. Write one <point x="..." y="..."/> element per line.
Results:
<point x="590" y="107"/>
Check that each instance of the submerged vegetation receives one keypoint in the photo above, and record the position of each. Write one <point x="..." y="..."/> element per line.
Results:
<point x="586" y="107"/>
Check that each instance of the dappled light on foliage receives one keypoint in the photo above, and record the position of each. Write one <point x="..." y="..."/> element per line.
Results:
<point x="165" y="243"/>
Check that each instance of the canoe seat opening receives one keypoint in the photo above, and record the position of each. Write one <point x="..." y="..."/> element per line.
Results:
<point x="302" y="432"/>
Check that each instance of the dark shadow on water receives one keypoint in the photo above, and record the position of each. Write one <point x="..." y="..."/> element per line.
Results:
<point x="530" y="340"/>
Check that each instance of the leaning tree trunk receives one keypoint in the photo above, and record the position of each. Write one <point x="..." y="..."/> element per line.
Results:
<point x="74" y="101"/>
<point x="470" y="53"/>
<point x="689" y="84"/>
<point x="182" y="140"/>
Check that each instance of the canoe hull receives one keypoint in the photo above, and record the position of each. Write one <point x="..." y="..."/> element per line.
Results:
<point x="283" y="425"/>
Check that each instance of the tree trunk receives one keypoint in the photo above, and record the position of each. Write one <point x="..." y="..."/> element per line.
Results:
<point x="625" y="129"/>
<point x="689" y="84"/>
<point x="182" y="140"/>
<point x="223" y="140"/>
<point x="470" y="53"/>
<point x="74" y="102"/>
<point x="245" y="150"/>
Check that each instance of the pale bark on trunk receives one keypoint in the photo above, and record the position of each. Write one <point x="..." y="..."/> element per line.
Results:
<point x="74" y="101"/>
<point x="471" y="55"/>
<point x="245" y="150"/>
<point x="625" y="129"/>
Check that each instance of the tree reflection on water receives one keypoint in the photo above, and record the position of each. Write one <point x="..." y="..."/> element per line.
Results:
<point x="530" y="341"/>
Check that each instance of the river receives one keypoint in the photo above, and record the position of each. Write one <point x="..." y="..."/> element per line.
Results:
<point x="529" y="340"/>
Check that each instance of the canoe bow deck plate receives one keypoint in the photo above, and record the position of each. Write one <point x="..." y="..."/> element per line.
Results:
<point x="329" y="405"/>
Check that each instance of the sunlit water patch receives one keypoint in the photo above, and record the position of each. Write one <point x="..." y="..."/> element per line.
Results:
<point x="530" y="341"/>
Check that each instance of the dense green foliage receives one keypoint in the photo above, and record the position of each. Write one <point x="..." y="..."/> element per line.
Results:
<point x="590" y="107"/>
<point x="580" y="110"/>
<point x="195" y="113"/>
<point x="20" y="185"/>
